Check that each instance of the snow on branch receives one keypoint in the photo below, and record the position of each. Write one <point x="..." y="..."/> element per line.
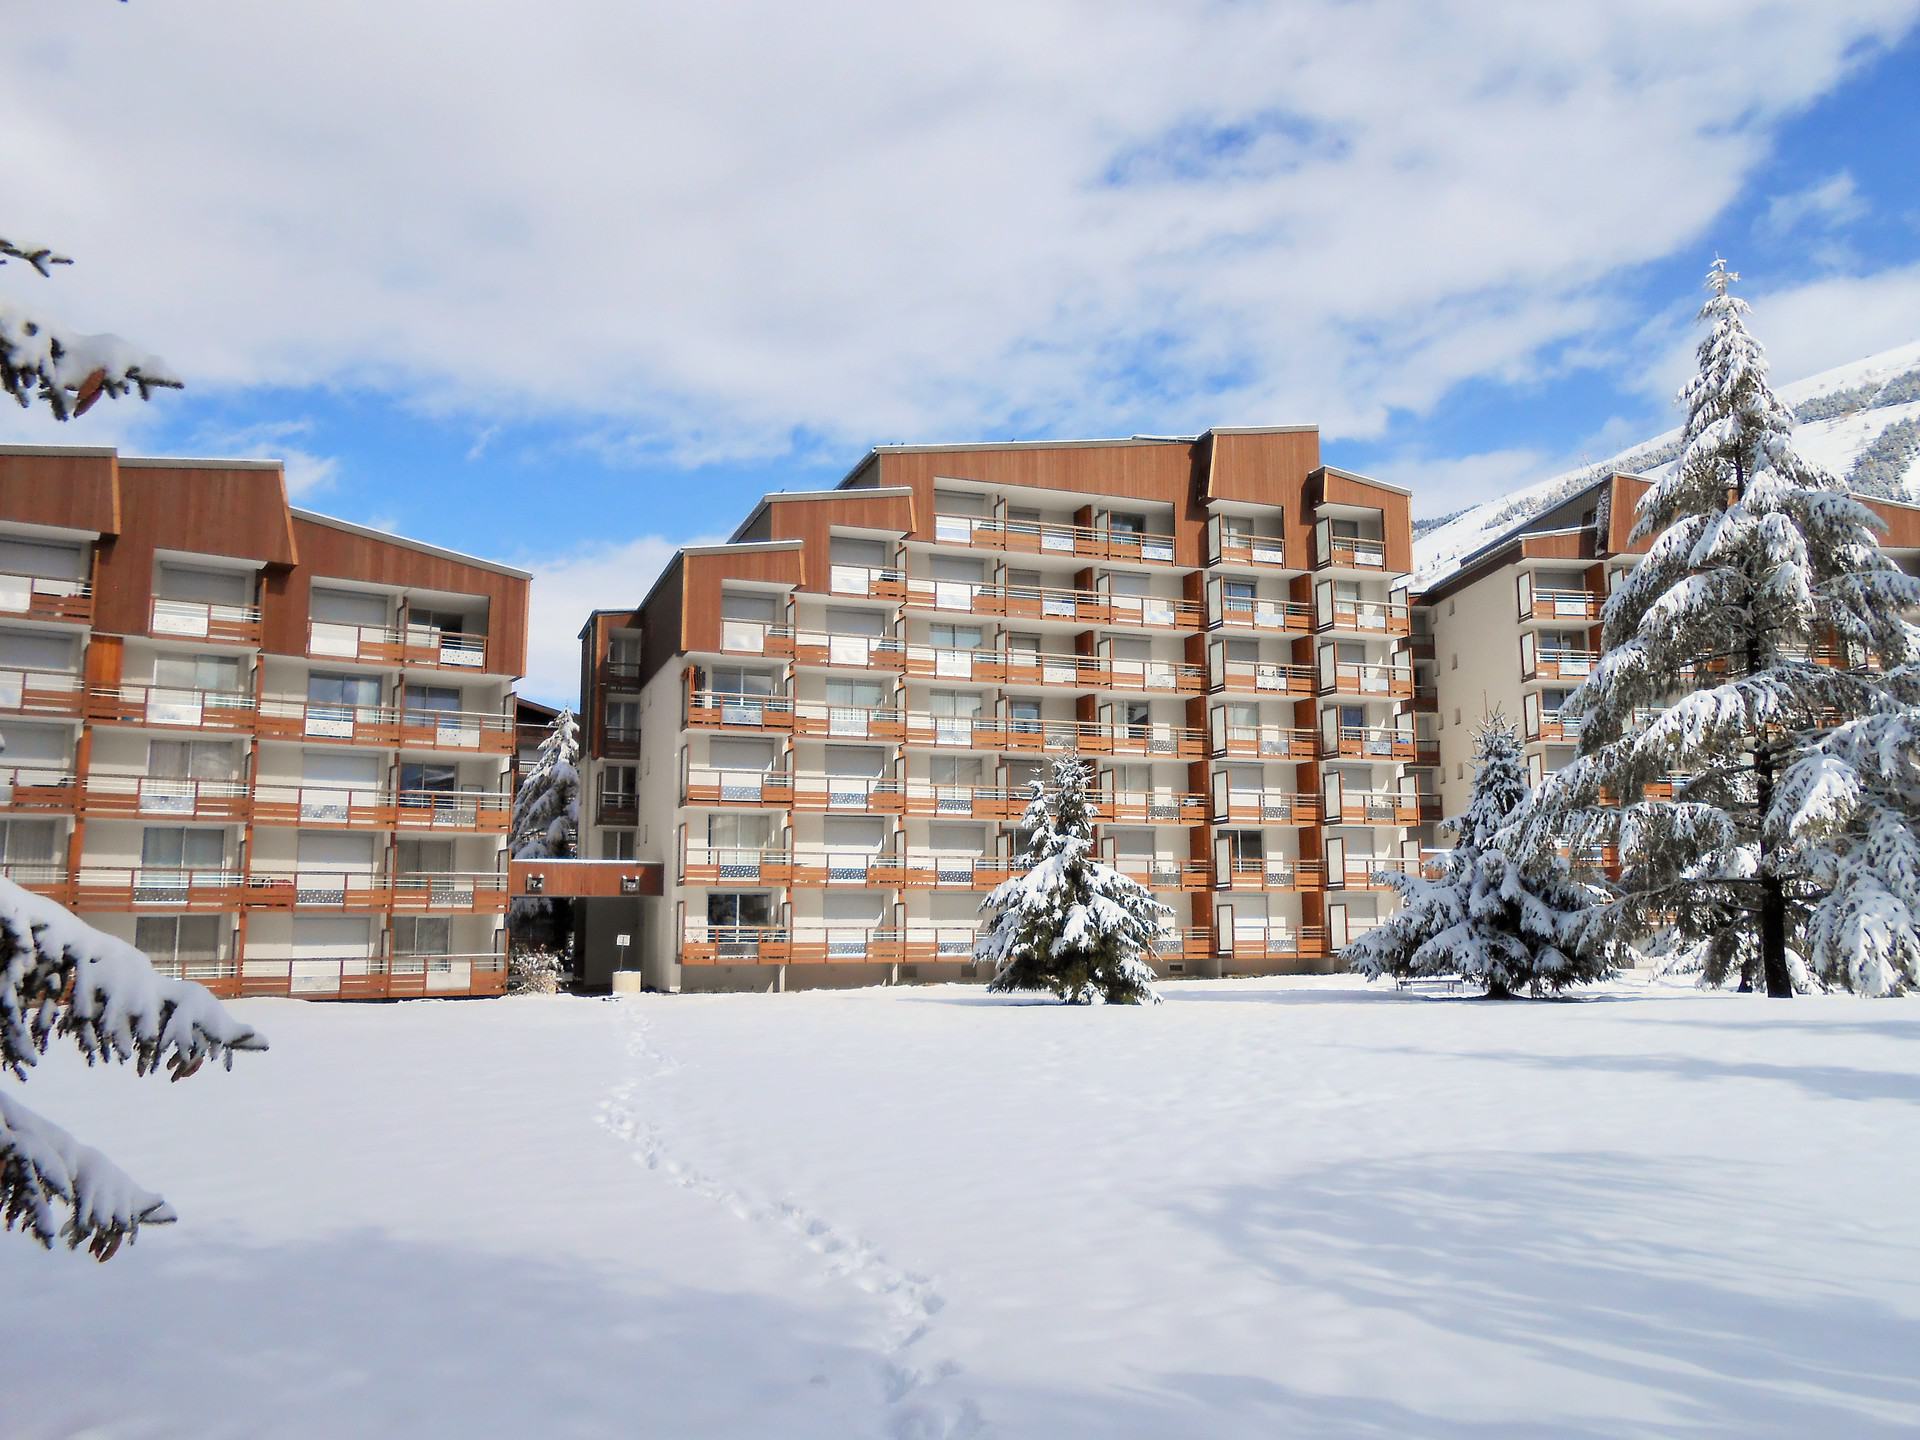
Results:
<point x="67" y="370"/>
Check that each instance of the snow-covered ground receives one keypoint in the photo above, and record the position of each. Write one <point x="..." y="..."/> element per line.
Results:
<point x="1290" y="1208"/>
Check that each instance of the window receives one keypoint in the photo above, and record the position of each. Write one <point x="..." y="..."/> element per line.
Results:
<point x="190" y="760"/>
<point x="739" y="832"/>
<point x="616" y="844"/>
<point x="451" y="622"/>
<point x="1135" y="714"/>
<point x="855" y="694"/>
<point x="178" y="940"/>
<point x="347" y="607"/>
<point x="435" y="779"/>
<point x="623" y="648"/>
<point x="203" y="586"/>
<point x="739" y="680"/>
<point x="26" y="843"/>
<point x="953" y="704"/>
<point x="956" y="770"/>
<point x="344" y="691"/>
<point x="739" y="907"/>
<point x="172" y="847"/>
<point x="954" y="637"/>
<point x="422" y="935"/>
<point x="1025" y="715"/>
<point x="439" y="699"/>
<point x="616" y="783"/>
<point x="42" y="559"/>
<point x="1126" y="524"/>
<point x="424" y="857"/>
<point x="623" y="720"/>
<point x="197" y="672"/>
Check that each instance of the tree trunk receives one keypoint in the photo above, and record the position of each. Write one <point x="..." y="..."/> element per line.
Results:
<point x="1773" y="898"/>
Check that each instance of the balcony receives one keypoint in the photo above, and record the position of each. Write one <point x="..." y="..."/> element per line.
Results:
<point x="616" y="807"/>
<point x="1264" y="677"/>
<point x="1376" y="682"/>
<point x="1025" y="735"/>
<point x="878" y="582"/>
<point x="620" y="674"/>
<point x="1367" y="617"/>
<point x="1563" y="605"/>
<point x="423" y="646"/>
<point x="619" y="742"/>
<point x="706" y="785"/>
<point x="1048" y="537"/>
<point x="1271" y="874"/>
<point x="828" y="649"/>
<point x="105" y="887"/>
<point x="733" y="710"/>
<point x="1240" y="547"/>
<point x="1559" y="665"/>
<point x="195" y="620"/>
<point x="36" y="789"/>
<point x="374" y="977"/>
<point x="1370" y="872"/>
<point x="1159" y="873"/>
<point x="50" y="878"/>
<point x="372" y="807"/>
<point x="1271" y="617"/>
<point x="850" y="794"/>
<point x="40" y="692"/>
<point x="1253" y="943"/>
<point x="961" y="802"/>
<point x="1367" y="742"/>
<point x="848" y="722"/>
<point x="1426" y="699"/>
<point x="1079" y="607"/>
<point x="230" y="711"/>
<point x="1264" y="807"/>
<point x="134" y="797"/>
<point x="1349" y="552"/>
<point x="1376" y="807"/>
<point x="1148" y="807"/>
<point x="476" y="892"/>
<point x="386" y="727"/>
<point x="1553" y="728"/>
<point x="40" y="597"/>
<point x="1270" y="742"/>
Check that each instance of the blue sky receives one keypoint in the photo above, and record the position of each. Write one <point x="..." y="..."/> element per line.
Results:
<point x="568" y="289"/>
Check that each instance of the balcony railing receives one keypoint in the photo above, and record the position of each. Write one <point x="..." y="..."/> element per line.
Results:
<point x="709" y="785"/>
<point x="1253" y="942"/>
<point x="40" y="692"/>
<point x="1376" y="807"/>
<point x="139" y="796"/>
<point x="851" y="722"/>
<point x="419" y="645"/>
<point x="1161" y="873"/>
<point x="1274" y="874"/>
<point x="962" y="802"/>
<point x="1382" y="681"/>
<point x="1555" y="728"/>
<point x="736" y="710"/>
<point x="1089" y="737"/>
<point x="1353" y="552"/>
<point x="1374" y="617"/>
<point x="1082" y="607"/>
<point x="477" y="892"/>
<point x="377" y="807"/>
<point x="194" y="620"/>
<point x="882" y="582"/>
<point x="616" y="807"/>
<point x="1265" y="677"/>
<point x="42" y="788"/>
<point x="44" y="877"/>
<point x="136" y="887"/>
<point x="448" y="892"/>
<point x="1369" y="742"/>
<point x="848" y="652"/>
<point x="1560" y="665"/>
<point x="226" y="710"/>
<point x="620" y="674"/>
<point x="1279" y="617"/>
<point x="1278" y="742"/>
<point x="1265" y="807"/>
<point x="1244" y="548"/>
<point x="1563" y="605"/>
<point x="41" y="597"/>
<point x="375" y="977"/>
<point x="1426" y="699"/>
<point x="381" y="725"/>
<point x="1048" y="537"/>
<point x="619" y="741"/>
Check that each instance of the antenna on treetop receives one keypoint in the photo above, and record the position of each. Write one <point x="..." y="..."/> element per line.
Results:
<point x="1720" y="277"/>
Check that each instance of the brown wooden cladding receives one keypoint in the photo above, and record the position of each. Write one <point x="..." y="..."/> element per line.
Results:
<point x="1622" y="511"/>
<point x="1396" y="511"/>
<point x="1562" y="545"/>
<point x="702" y="575"/>
<point x="1268" y="469"/>
<point x="810" y="519"/>
<point x="73" y="489"/>
<point x="587" y="879"/>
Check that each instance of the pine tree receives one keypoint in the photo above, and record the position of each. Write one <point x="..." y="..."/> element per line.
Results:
<point x="65" y="370"/>
<point x="1711" y="680"/>
<point x="1489" y="917"/>
<point x="62" y="978"/>
<point x="546" y="826"/>
<point x="1067" y="923"/>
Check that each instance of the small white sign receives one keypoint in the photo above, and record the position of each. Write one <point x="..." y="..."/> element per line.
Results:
<point x="623" y="940"/>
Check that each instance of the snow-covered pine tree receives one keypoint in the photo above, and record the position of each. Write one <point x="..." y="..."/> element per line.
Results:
<point x="1711" y="677"/>
<point x="1068" y="923"/>
<point x="1489" y="918"/>
<point x="62" y="978"/>
<point x="68" y="371"/>
<point x="546" y="826"/>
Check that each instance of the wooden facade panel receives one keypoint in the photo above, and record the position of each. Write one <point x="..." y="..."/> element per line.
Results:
<point x="701" y="577"/>
<point x="586" y="879"/>
<point x="1623" y="509"/>
<point x="1577" y="545"/>
<point x="810" y="520"/>
<point x="73" y="490"/>
<point x="1395" y="507"/>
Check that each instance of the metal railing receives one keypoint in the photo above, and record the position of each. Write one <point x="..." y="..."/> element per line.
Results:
<point x="169" y="705"/>
<point x="1280" y="616"/>
<point x="197" y="620"/>
<point x="1051" y="537"/>
<point x="41" y="692"/>
<point x="46" y="788"/>
<point x="130" y="796"/>
<point x="1265" y="677"/>
<point x="45" y="597"/>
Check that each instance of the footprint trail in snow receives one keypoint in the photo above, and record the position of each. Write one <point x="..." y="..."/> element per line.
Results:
<point x="908" y="1301"/>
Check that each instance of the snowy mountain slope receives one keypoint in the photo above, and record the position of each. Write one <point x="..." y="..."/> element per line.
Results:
<point x="1860" y="421"/>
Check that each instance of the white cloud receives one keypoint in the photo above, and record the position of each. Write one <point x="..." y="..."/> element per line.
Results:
<point x="566" y="586"/>
<point x="1825" y="205"/>
<point x="308" y="474"/>
<point x="1444" y="484"/>
<point x="700" y="230"/>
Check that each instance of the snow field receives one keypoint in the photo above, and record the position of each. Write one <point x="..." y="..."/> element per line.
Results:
<point x="1265" y="1208"/>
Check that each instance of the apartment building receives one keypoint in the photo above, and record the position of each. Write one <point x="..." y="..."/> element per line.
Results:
<point x="269" y="748"/>
<point x="825" y="729"/>
<point x="1516" y="626"/>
